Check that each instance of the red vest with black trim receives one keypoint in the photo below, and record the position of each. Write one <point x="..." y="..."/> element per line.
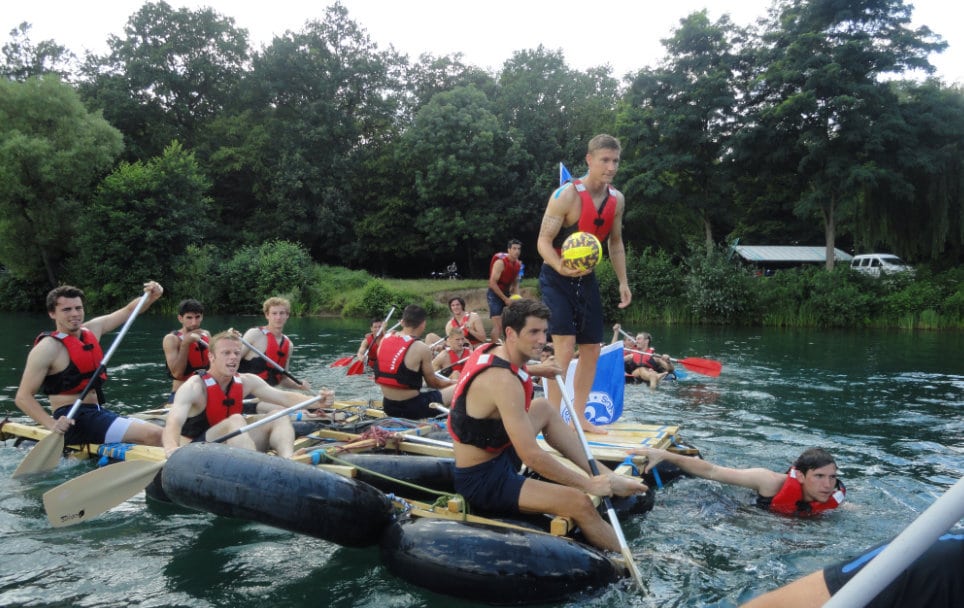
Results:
<point x="279" y="353"/>
<point x="789" y="500"/>
<point x="390" y="367"/>
<point x="510" y="270"/>
<point x="197" y="356"/>
<point x="220" y="405"/>
<point x="453" y="357"/>
<point x="488" y="434"/>
<point x="463" y="326"/>
<point x="85" y="357"/>
<point x="596" y="221"/>
<point x="372" y="345"/>
<point x="644" y="359"/>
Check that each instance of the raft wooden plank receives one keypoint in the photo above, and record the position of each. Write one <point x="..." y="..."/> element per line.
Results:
<point x="117" y="451"/>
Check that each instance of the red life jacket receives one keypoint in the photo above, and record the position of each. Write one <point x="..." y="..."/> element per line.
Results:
<point x="453" y="357"/>
<point x="390" y="367"/>
<point x="510" y="270"/>
<point x="644" y="359"/>
<point x="597" y="221"/>
<point x="462" y="325"/>
<point x="488" y="434"/>
<point x="789" y="500"/>
<point x="197" y="356"/>
<point x="85" y="357"/>
<point x="372" y="345"/>
<point x="278" y="353"/>
<point x="219" y="405"/>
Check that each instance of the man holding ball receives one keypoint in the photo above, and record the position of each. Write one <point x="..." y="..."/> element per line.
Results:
<point x="591" y="205"/>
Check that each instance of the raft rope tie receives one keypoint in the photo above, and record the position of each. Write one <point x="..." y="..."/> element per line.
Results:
<point x="115" y="451"/>
<point x="381" y="437"/>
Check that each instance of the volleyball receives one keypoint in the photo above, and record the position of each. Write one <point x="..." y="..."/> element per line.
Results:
<point x="581" y="251"/>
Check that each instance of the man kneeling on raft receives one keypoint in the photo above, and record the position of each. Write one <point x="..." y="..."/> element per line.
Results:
<point x="494" y="422"/>
<point x="209" y="404"/>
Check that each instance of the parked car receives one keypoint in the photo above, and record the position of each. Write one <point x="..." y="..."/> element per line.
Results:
<point x="877" y="264"/>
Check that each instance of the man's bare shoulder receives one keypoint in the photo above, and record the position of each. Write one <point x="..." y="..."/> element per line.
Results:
<point x="45" y="350"/>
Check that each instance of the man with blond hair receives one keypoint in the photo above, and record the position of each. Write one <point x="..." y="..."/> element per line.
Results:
<point x="589" y="204"/>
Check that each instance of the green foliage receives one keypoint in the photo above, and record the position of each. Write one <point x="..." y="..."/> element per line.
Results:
<point x="51" y="152"/>
<point x="838" y="298"/>
<point x="197" y="276"/>
<point x="117" y="248"/>
<point x="377" y="297"/>
<point x="254" y="274"/>
<point x="333" y="285"/>
<point x="17" y="295"/>
<point x="719" y="291"/>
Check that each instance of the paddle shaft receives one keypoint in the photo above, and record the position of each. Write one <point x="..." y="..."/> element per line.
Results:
<point x="267" y="359"/>
<point x="378" y="333"/>
<point x="110" y="352"/>
<point x="594" y="467"/>
<point x="269" y="418"/>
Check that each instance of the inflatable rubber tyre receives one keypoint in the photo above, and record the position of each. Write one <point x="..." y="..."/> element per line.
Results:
<point x="249" y="485"/>
<point x="493" y="564"/>
<point x="430" y="472"/>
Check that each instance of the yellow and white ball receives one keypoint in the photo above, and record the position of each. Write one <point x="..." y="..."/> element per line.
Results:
<point x="581" y="251"/>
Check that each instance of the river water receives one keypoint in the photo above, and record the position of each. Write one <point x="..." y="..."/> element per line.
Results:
<point x="887" y="404"/>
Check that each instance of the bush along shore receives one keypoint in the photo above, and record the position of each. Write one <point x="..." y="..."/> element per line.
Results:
<point x="699" y="289"/>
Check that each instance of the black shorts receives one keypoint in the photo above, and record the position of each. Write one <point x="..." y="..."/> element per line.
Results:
<point x="575" y="304"/>
<point x="933" y="579"/>
<point x="494" y="485"/>
<point x="91" y="423"/>
<point x="415" y="408"/>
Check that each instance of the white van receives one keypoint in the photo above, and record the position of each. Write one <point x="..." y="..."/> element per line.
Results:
<point x="876" y="264"/>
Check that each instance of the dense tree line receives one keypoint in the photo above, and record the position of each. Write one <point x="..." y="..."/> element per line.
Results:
<point x="804" y="128"/>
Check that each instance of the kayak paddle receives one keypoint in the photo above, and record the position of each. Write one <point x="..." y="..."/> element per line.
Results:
<point x="92" y="493"/>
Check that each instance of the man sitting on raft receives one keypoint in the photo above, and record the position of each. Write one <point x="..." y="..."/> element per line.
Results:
<point x="809" y="487"/>
<point x="641" y="361"/>
<point x="209" y="404"/>
<point x="403" y="363"/>
<point x="494" y="422"/>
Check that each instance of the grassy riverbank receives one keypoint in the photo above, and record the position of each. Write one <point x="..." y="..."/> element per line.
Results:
<point x="700" y="289"/>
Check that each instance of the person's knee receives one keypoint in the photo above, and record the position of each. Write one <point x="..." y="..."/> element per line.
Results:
<point x="580" y="507"/>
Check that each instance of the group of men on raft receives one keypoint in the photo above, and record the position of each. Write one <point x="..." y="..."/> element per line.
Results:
<point x="494" y="419"/>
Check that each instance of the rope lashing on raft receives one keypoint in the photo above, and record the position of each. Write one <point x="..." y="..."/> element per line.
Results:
<point x="380" y="437"/>
<point x="112" y="451"/>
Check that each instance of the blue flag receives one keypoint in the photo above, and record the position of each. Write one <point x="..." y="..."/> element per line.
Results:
<point x="564" y="175"/>
<point x="605" y="404"/>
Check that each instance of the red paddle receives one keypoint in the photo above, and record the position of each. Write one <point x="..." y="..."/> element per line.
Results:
<point x="346" y="361"/>
<point x="358" y="367"/>
<point x="707" y="367"/>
